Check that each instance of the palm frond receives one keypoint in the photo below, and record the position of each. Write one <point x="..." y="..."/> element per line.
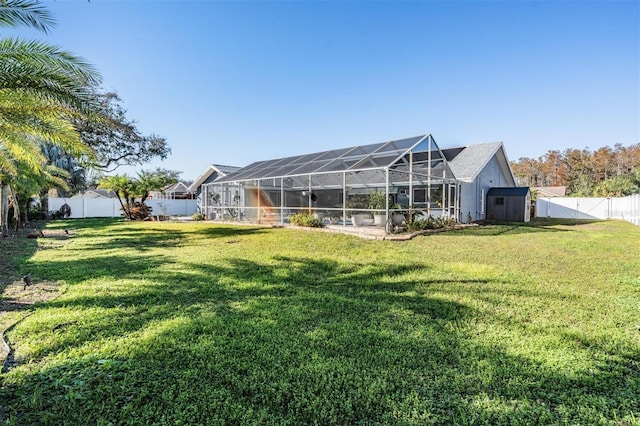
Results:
<point x="7" y="163"/>
<point x="26" y="12"/>
<point x="49" y="71"/>
<point x="18" y="147"/>
<point x="26" y="119"/>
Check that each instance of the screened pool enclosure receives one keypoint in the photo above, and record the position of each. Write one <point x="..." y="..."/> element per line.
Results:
<point x="382" y="184"/>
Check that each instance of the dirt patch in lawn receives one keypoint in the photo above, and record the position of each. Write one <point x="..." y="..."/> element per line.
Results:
<point x="16" y="298"/>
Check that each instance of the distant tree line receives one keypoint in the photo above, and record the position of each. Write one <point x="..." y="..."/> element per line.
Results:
<point x="605" y="172"/>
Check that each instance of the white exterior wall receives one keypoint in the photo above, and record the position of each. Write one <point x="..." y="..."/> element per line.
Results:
<point x="624" y="208"/>
<point x="473" y="195"/>
<point x="110" y="207"/>
<point x="172" y="207"/>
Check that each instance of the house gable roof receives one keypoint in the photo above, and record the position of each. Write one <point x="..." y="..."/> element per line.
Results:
<point x="213" y="168"/>
<point x="175" y="187"/>
<point x="469" y="162"/>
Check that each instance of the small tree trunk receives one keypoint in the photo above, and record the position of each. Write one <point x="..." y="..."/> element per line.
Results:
<point x="24" y="212"/>
<point x="44" y="201"/>
<point x="4" y="209"/>
<point x="124" y="210"/>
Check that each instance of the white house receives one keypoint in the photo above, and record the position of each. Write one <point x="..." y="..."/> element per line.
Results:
<point x="338" y="185"/>
<point x="479" y="168"/>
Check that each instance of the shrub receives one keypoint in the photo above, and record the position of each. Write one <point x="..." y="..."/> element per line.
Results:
<point x="430" y="223"/>
<point x="35" y="213"/>
<point x="198" y="216"/>
<point x="306" y="219"/>
<point x="62" y="213"/>
<point x="139" y="211"/>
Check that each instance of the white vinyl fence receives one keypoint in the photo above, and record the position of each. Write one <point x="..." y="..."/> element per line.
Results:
<point x="624" y="208"/>
<point x="110" y="207"/>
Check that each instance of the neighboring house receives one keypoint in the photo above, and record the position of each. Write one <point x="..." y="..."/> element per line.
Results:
<point x="340" y="184"/>
<point x="509" y="204"/>
<point x="174" y="191"/>
<point x="479" y="168"/>
<point x="550" y="191"/>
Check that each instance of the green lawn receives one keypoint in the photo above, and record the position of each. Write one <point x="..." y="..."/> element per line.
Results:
<point x="169" y="323"/>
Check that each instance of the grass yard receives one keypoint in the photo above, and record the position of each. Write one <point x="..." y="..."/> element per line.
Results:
<point x="172" y="323"/>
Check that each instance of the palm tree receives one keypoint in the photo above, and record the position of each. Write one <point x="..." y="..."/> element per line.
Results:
<point x="77" y="177"/>
<point x="28" y="183"/>
<point x="121" y="185"/>
<point x="42" y="89"/>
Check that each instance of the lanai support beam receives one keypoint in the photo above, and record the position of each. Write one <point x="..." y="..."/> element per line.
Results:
<point x="282" y="201"/>
<point x="344" y="199"/>
<point x="386" y="204"/>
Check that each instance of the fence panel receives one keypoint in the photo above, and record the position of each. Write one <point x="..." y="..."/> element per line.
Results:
<point x="110" y="207"/>
<point x="624" y="208"/>
<point x="172" y="207"/>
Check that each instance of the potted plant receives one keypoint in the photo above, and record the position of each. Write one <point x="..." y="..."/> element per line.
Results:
<point x="357" y="202"/>
<point x="378" y="201"/>
<point x="398" y="217"/>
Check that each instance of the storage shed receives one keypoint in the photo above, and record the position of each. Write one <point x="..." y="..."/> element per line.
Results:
<point x="509" y="204"/>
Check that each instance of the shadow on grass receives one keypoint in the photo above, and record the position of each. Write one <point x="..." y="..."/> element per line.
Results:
<point x="138" y="239"/>
<point x="510" y="228"/>
<point x="89" y="223"/>
<point x="294" y="340"/>
<point x="225" y="231"/>
<point x="15" y="251"/>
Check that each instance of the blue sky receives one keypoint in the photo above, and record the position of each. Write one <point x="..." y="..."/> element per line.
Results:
<point x="237" y="82"/>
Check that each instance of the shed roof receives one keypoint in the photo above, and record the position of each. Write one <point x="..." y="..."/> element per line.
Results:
<point x="518" y="191"/>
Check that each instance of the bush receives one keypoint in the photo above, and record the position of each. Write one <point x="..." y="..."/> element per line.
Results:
<point x="35" y="213"/>
<point x="139" y="211"/>
<point x="430" y="223"/>
<point x="63" y="213"/>
<point x="306" y="219"/>
<point x="198" y="216"/>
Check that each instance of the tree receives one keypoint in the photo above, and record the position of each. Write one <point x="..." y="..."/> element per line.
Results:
<point x="603" y="172"/>
<point x="76" y="175"/>
<point x="617" y="186"/>
<point x="115" y="139"/>
<point x="42" y="89"/>
<point x="129" y="190"/>
<point x="155" y="180"/>
<point x="29" y="183"/>
<point x="120" y="185"/>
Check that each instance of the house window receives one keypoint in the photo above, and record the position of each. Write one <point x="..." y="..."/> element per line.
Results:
<point x="419" y="196"/>
<point x="273" y="198"/>
<point x="499" y="201"/>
